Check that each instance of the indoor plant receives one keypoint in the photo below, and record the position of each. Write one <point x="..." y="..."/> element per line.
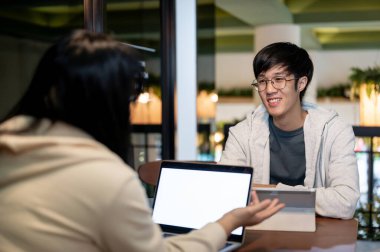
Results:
<point x="366" y="85"/>
<point x="370" y="77"/>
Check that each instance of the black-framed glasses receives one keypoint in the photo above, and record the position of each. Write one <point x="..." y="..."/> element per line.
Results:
<point x="277" y="82"/>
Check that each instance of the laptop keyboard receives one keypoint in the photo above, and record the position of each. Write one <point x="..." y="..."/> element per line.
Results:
<point x="227" y="245"/>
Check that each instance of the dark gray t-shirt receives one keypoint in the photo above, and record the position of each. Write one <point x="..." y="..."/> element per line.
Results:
<point x="287" y="155"/>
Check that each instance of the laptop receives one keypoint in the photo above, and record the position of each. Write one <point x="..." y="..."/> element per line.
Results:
<point x="189" y="195"/>
<point x="297" y="215"/>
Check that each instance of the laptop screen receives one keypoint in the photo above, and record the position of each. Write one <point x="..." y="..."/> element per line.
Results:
<point x="190" y="195"/>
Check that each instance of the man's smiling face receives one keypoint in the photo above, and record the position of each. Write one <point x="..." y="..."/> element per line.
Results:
<point x="281" y="102"/>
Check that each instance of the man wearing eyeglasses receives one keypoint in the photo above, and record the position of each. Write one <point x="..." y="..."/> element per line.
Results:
<point x="291" y="143"/>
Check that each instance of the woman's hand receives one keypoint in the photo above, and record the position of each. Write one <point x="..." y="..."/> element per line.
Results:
<point x="250" y="215"/>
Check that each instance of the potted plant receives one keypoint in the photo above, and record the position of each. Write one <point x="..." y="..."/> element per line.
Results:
<point x="366" y="85"/>
<point x="369" y="77"/>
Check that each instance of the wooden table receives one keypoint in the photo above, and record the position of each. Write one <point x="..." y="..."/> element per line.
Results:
<point x="331" y="235"/>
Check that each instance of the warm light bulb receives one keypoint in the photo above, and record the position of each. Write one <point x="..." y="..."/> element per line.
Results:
<point x="214" y="97"/>
<point x="144" y="98"/>
<point x="218" y="137"/>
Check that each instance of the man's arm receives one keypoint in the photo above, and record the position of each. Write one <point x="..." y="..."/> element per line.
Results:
<point x="340" y="196"/>
<point x="235" y="152"/>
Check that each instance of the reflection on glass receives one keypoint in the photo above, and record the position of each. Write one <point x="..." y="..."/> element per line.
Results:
<point x="154" y="139"/>
<point x="362" y="159"/>
<point x="376" y="182"/>
<point x="376" y="144"/>
<point x="154" y="153"/>
<point x="137" y="138"/>
<point x="368" y="209"/>
<point x="362" y="143"/>
<point x="146" y="147"/>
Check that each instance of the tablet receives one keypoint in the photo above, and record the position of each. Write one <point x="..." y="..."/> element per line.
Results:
<point x="298" y="213"/>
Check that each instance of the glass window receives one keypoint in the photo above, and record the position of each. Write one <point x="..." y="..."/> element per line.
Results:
<point x="376" y="182"/>
<point x="362" y="159"/>
<point x="27" y="29"/>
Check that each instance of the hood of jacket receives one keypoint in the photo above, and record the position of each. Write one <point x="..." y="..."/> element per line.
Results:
<point x="31" y="147"/>
<point x="318" y="117"/>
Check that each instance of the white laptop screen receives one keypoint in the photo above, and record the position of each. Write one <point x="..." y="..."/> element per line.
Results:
<point x="191" y="198"/>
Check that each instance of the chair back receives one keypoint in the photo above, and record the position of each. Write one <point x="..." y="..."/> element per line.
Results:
<point x="149" y="172"/>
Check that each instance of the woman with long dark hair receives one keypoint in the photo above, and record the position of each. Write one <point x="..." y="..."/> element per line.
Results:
<point x="64" y="181"/>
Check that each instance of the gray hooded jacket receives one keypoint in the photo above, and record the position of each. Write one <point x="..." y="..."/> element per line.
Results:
<point x="331" y="165"/>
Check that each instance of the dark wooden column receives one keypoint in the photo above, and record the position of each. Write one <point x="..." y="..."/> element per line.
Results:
<point x="168" y="74"/>
<point x="94" y="15"/>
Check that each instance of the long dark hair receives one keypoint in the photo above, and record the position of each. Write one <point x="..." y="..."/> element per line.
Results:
<point x="87" y="80"/>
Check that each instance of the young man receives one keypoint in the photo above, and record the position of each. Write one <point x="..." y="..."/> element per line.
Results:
<point x="292" y="143"/>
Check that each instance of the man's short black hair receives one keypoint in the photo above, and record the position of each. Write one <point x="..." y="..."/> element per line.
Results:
<point x="295" y="59"/>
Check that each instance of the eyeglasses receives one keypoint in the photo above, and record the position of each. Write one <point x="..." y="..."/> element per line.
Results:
<point x="277" y="82"/>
